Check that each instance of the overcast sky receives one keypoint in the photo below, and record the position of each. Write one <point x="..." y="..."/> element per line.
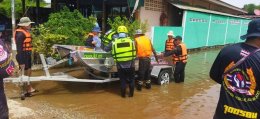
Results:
<point x="241" y="3"/>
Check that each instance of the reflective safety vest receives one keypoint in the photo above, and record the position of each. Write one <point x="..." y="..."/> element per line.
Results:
<point x="169" y="44"/>
<point x="123" y="49"/>
<point x="183" y="57"/>
<point x="27" y="43"/>
<point x="108" y="37"/>
<point x="144" y="47"/>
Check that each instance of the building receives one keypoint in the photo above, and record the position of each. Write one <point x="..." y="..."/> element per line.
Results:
<point x="200" y="22"/>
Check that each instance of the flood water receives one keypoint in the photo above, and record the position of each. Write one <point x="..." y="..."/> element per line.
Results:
<point x="196" y="98"/>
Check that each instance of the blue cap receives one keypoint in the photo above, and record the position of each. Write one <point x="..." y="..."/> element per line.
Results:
<point x="253" y="29"/>
<point x="96" y="29"/>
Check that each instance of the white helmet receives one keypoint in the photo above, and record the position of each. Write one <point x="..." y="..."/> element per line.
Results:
<point x="170" y="33"/>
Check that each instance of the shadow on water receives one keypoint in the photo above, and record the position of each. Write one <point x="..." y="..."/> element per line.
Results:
<point x="104" y="101"/>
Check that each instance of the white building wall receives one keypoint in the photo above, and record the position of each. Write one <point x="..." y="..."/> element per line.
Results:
<point x="152" y="17"/>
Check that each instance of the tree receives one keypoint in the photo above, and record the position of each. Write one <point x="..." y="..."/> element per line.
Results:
<point x="5" y="7"/>
<point x="250" y="8"/>
<point x="131" y="26"/>
<point x="71" y="30"/>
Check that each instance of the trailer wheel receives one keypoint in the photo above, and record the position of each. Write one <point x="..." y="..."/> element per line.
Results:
<point x="164" y="77"/>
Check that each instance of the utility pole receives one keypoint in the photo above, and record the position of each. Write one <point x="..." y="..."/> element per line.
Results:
<point x="37" y="11"/>
<point x="13" y="24"/>
<point x="104" y="17"/>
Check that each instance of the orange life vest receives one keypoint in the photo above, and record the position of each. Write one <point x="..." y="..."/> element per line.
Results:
<point x="144" y="46"/>
<point x="27" y="43"/>
<point x="183" y="57"/>
<point x="169" y="44"/>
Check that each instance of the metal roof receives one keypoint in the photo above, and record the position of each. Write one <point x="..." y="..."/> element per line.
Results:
<point x="184" y="7"/>
<point x="219" y="2"/>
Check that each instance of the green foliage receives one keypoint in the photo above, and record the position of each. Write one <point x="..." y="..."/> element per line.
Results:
<point x="250" y="8"/>
<point x="131" y="26"/>
<point x="71" y="24"/>
<point x="45" y="39"/>
<point x="64" y="27"/>
<point x="5" y="7"/>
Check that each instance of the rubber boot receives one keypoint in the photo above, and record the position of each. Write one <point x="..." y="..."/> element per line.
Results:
<point x="123" y="91"/>
<point x="139" y="85"/>
<point x="131" y="91"/>
<point x="148" y="84"/>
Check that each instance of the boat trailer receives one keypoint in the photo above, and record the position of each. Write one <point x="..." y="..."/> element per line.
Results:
<point x="59" y="76"/>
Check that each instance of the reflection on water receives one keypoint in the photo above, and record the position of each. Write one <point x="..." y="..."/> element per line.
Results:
<point x="161" y="102"/>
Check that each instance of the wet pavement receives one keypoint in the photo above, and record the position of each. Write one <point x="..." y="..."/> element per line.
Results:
<point x="196" y="98"/>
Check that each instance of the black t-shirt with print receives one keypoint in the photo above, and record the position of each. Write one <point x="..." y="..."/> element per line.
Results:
<point x="240" y="93"/>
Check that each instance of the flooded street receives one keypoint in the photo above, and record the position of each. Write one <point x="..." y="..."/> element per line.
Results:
<point x="196" y="98"/>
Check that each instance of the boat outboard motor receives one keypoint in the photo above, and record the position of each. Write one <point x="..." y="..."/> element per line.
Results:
<point x="109" y="62"/>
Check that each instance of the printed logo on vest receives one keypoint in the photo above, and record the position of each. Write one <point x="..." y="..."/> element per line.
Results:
<point x="10" y="69"/>
<point x="3" y="54"/>
<point x="241" y="84"/>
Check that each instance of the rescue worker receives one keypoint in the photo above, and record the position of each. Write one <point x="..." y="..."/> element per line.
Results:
<point x="236" y="69"/>
<point x="96" y="40"/>
<point x="144" y="49"/>
<point x="123" y="52"/>
<point x="24" y="50"/>
<point x="6" y="69"/>
<point x="89" y="41"/>
<point x="179" y="59"/>
<point x="109" y="37"/>
<point x="169" y="44"/>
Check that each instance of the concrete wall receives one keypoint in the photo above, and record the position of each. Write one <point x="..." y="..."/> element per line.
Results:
<point x="152" y="17"/>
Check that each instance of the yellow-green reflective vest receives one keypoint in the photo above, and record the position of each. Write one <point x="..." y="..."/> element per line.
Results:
<point x="108" y="38"/>
<point x="123" y="49"/>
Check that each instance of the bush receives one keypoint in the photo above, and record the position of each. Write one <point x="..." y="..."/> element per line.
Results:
<point x="64" y="27"/>
<point x="44" y="41"/>
<point x="131" y="26"/>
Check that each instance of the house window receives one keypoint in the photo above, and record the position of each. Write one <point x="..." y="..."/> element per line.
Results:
<point x="154" y="5"/>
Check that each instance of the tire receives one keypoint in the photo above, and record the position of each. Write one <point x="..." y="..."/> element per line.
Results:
<point x="164" y="77"/>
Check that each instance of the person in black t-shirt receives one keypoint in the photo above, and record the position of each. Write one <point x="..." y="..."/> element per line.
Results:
<point x="6" y="69"/>
<point x="239" y="79"/>
<point x="24" y="47"/>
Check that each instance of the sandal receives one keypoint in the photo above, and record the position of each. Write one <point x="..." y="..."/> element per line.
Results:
<point x="28" y="95"/>
<point x="34" y="91"/>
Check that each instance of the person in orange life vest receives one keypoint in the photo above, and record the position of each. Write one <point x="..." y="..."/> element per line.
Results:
<point x="144" y="49"/>
<point x="89" y="41"/>
<point x="24" y="47"/>
<point x="169" y="44"/>
<point x="179" y="58"/>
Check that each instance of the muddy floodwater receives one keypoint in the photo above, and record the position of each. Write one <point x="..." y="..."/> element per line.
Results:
<point x="196" y="98"/>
